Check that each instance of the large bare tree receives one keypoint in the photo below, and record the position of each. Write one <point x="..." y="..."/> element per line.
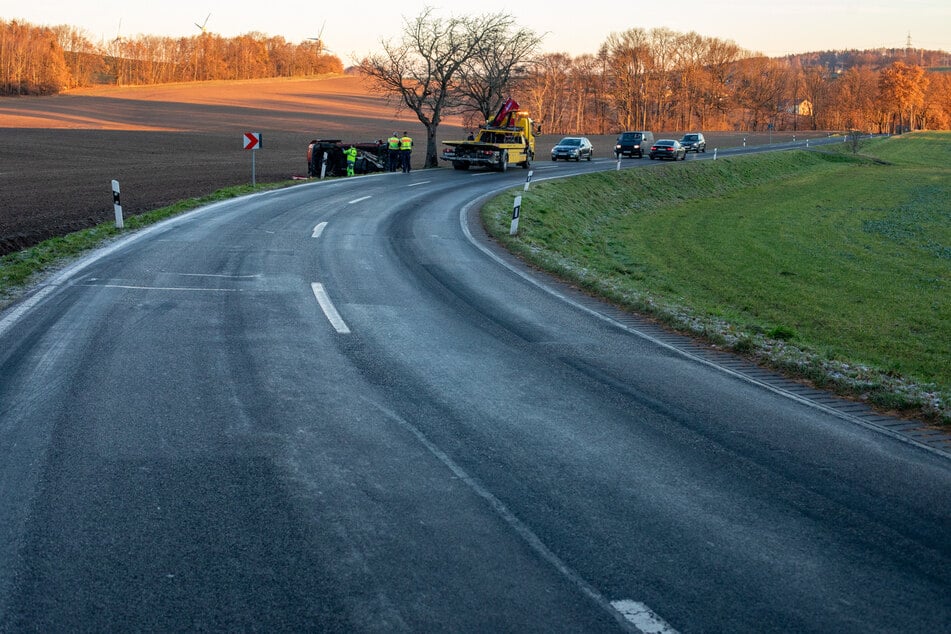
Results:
<point x="487" y="75"/>
<point x="903" y="88"/>
<point x="424" y="70"/>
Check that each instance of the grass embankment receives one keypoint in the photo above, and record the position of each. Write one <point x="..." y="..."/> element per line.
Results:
<point x="833" y="267"/>
<point x="18" y="270"/>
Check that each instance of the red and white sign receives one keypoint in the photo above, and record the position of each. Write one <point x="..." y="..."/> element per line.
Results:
<point x="252" y="140"/>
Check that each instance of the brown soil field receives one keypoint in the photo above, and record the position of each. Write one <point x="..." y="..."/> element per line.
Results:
<point x="59" y="154"/>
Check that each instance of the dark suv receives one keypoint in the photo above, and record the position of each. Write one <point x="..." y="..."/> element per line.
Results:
<point x="633" y="143"/>
<point x="694" y="142"/>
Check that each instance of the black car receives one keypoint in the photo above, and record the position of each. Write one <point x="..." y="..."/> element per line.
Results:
<point x="694" y="142"/>
<point x="668" y="149"/>
<point x="633" y="143"/>
<point x="572" y="148"/>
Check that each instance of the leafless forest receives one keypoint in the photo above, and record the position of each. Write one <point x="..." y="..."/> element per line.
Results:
<point x="652" y="79"/>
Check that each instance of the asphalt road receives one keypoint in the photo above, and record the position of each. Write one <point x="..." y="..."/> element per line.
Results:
<point x="333" y="408"/>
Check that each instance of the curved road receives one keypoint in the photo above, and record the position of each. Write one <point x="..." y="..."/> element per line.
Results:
<point x="333" y="408"/>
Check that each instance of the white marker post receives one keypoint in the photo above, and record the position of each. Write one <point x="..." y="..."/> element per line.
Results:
<point x="515" y="213"/>
<point x="528" y="180"/>
<point x="323" y="166"/>
<point x="252" y="141"/>
<point x="120" y="223"/>
<point x="714" y="154"/>
<point x="618" y="167"/>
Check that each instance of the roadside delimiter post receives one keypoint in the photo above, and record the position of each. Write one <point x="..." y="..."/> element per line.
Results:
<point x="515" y="211"/>
<point x="120" y="224"/>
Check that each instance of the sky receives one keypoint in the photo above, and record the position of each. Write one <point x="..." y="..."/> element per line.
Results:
<point x="357" y="27"/>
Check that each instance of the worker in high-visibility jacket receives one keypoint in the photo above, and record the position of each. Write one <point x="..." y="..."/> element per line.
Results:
<point x="406" y="150"/>
<point x="351" y="154"/>
<point x="393" y="152"/>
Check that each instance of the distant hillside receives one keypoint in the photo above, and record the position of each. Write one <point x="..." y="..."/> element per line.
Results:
<point x="43" y="60"/>
<point x="837" y="62"/>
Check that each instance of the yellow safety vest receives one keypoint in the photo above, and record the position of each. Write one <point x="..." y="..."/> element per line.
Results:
<point x="406" y="143"/>
<point x="393" y="143"/>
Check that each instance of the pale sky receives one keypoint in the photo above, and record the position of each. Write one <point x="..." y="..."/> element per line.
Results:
<point x="355" y="27"/>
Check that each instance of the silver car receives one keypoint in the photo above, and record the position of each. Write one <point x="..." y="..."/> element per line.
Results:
<point x="572" y="148"/>
<point x="694" y="142"/>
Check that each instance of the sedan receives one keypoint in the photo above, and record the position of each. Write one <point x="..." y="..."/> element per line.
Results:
<point x="668" y="149"/>
<point x="694" y="142"/>
<point x="572" y="147"/>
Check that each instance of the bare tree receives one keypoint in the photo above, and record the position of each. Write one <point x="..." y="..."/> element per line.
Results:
<point x="760" y="83"/>
<point x="424" y="70"/>
<point x="544" y="90"/>
<point x="484" y="79"/>
<point x="719" y="62"/>
<point x="629" y="60"/>
<point x="936" y="113"/>
<point x="903" y="88"/>
<point x="853" y="100"/>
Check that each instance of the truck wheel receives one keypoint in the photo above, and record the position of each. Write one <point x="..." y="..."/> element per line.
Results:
<point x="504" y="161"/>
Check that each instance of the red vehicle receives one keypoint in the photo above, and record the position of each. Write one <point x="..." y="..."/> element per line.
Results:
<point x="668" y="149"/>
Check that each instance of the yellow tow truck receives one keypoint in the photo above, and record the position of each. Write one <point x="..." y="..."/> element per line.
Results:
<point x="508" y="139"/>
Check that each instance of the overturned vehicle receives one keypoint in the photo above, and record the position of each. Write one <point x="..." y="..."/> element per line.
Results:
<point x="328" y="153"/>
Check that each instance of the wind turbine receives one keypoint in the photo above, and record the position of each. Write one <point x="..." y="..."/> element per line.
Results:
<point x="115" y="49"/>
<point x="319" y="39"/>
<point x="201" y="27"/>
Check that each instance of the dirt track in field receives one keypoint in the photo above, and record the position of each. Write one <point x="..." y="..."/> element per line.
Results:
<point x="59" y="154"/>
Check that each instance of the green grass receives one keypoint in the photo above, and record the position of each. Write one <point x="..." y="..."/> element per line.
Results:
<point x="19" y="270"/>
<point x="834" y="267"/>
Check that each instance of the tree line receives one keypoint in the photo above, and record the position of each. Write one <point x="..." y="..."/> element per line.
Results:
<point x="664" y="80"/>
<point x="655" y="79"/>
<point x="652" y="79"/>
<point x="37" y="60"/>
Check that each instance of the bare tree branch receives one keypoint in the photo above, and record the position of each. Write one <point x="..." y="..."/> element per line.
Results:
<point x="427" y="68"/>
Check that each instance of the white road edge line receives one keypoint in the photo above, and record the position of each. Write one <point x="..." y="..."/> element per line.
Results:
<point x="419" y="183"/>
<point x="61" y="279"/>
<point x="356" y="200"/>
<point x="230" y="277"/>
<point x="7" y="322"/>
<point x="855" y="420"/>
<point x="133" y="287"/>
<point x="642" y="617"/>
<point x="328" y="307"/>
<point x="523" y="531"/>
<point x="319" y="229"/>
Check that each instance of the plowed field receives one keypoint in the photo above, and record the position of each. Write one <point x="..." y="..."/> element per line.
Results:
<point x="59" y="154"/>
